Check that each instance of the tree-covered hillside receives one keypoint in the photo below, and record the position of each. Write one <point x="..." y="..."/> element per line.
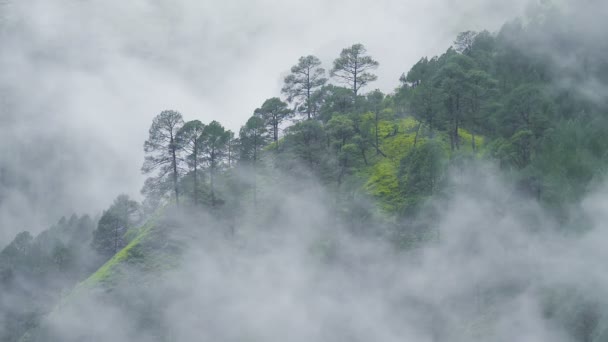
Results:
<point x="507" y="98"/>
<point x="35" y="271"/>
<point x="387" y="169"/>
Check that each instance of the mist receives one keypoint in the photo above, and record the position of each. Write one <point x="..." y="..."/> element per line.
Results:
<point x="80" y="81"/>
<point x="497" y="270"/>
<point x="484" y="258"/>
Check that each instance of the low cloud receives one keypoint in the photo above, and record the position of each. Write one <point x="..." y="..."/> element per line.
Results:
<point x="498" y="269"/>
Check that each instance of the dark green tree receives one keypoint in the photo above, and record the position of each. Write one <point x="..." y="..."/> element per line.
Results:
<point x="451" y="79"/>
<point x="306" y="139"/>
<point x="274" y="112"/>
<point x="214" y="142"/>
<point x="425" y="106"/>
<point x="421" y="172"/>
<point x="353" y="68"/>
<point x="253" y="138"/>
<point x="421" y="72"/>
<point x="188" y="138"/>
<point x="335" y="100"/>
<point x="526" y="108"/>
<point x="375" y="105"/>
<point x="108" y="238"/>
<point x="479" y="90"/>
<point x="233" y="149"/>
<point x="306" y="77"/>
<point x="340" y="129"/>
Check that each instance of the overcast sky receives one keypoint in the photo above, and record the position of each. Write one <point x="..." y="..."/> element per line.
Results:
<point x="80" y="81"/>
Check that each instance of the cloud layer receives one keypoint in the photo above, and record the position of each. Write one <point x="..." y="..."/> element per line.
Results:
<point x="497" y="270"/>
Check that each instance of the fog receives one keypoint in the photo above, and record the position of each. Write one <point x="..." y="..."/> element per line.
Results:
<point x="80" y="81"/>
<point x="495" y="271"/>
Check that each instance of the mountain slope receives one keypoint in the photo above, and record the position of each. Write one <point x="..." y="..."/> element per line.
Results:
<point x="120" y="282"/>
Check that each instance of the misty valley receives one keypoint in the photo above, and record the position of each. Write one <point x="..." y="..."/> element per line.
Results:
<point x="468" y="203"/>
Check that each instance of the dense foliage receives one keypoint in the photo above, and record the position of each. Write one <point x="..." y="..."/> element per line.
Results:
<point x="34" y="271"/>
<point x="383" y="158"/>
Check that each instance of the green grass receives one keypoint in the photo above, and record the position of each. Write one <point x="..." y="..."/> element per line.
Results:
<point x="127" y="254"/>
<point x="149" y="249"/>
<point x="150" y="252"/>
<point x="381" y="175"/>
<point x="466" y="139"/>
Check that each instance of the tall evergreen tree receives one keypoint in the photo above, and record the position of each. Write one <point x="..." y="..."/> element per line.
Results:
<point x="374" y="101"/>
<point x="306" y="77"/>
<point x="233" y="144"/>
<point x="307" y="140"/>
<point x="188" y="138"/>
<point x="425" y="106"/>
<point x="479" y="88"/>
<point x="214" y="149"/>
<point x="353" y="66"/>
<point x="163" y="153"/>
<point x="108" y="238"/>
<point x="274" y="112"/>
<point x="451" y="79"/>
<point x="252" y="137"/>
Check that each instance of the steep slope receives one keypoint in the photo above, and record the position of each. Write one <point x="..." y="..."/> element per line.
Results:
<point x="120" y="282"/>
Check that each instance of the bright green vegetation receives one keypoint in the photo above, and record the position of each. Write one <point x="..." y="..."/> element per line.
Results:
<point x="382" y="160"/>
<point x="131" y="254"/>
<point x="152" y="249"/>
<point x="145" y="260"/>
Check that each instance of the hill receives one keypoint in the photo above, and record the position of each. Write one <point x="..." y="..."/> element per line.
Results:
<point x="445" y="210"/>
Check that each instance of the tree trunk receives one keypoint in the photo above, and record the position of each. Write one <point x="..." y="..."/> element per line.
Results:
<point x="355" y="83"/>
<point x="276" y="135"/>
<point x="452" y="139"/>
<point x="195" y="185"/>
<point x="456" y="136"/>
<point x="115" y="239"/>
<point x="212" y="178"/>
<point x="377" y="144"/>
<point x="417" y="131"/>
<point x="255" y="171"/>
<point x="308" y="109"/>
<point x="229" y="153"/>
<point x="174" y="161"/>
<point x="379" y="150"/>
<point x="195" y="175"/>
<point x="308" y="152"/>
<point x="310" y="161"/>
<point x="473" y="141"/>
<point x="457" y="122"/>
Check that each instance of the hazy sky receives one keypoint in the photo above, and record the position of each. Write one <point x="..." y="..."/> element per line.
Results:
<point x="80" y="81"/>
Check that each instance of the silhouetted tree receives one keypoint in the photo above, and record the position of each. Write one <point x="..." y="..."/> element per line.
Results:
<point x="353" y="66"/>
<point x="108" y="238"/>
<point x="306" y="77"/>
<point x="162" y="153"/>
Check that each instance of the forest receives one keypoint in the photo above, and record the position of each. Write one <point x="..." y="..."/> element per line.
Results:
<point x="389" y="169"/>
